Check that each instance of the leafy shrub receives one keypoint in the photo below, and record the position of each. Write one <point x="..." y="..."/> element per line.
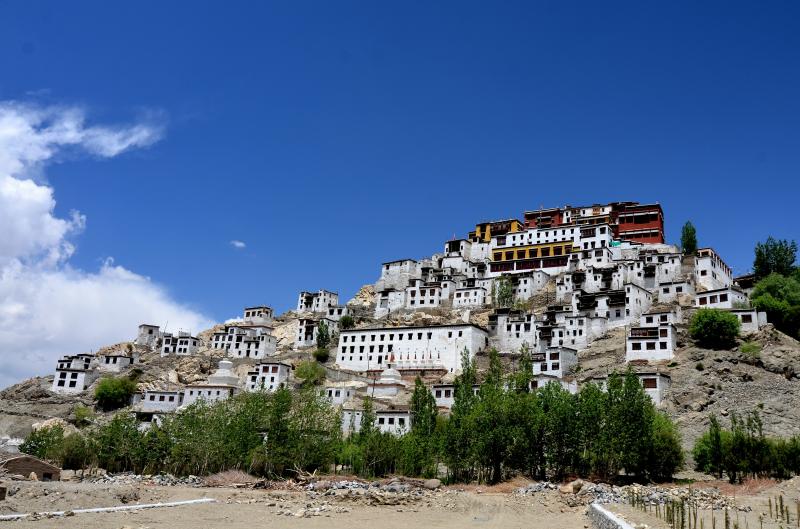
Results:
<point x="347" y="322"/>
<point x="323" y="335"/>
<point x="321" y="355"/>
<point x="44" y="443"/>
<point x="714" y="329"/>
<point x="76" y="452"/>
<point x="311" y="373"/>
<point x="699" y="366"/>
<point x="114" y="393"/>
<point x="84" y="416"/>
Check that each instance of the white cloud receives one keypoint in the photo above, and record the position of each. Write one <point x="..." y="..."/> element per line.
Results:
<point x="239" y="245"/>
<point x="47" y="307"/>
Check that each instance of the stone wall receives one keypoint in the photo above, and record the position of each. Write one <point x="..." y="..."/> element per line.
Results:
<point x="602" y="518"/>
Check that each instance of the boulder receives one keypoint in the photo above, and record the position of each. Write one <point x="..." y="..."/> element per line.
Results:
<point x="573" y="487"/>
<point x="432" y="484"/>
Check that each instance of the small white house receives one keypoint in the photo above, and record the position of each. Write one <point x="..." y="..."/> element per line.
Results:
<point x="397" y="422"/>
<point x="655" y="384"/>
<point x="184" y="344"/>
<point x="445" y="394"/>
<point x="115" y="363"/>
<point x="511" y="329"/>
<point x="158" y="401"/>
<point x="672" y="291"/>
<point x="749" y="319"/>
<point x="259" y="315"/>
<point x="338" y="393"/>
<point x="469" y="297"/>
<point x="651" y="343"/>
<point x="268" y="376"/>
<point x="220" y="386"/>
<point x="337" y="312"/>
<point x="74" y="374"/>
<point x="554" y="362"/>
<point x="654" y="318"/>
<point x="148" y="335"/>
<point x="721" y="298"/>
<point x="317" y="301"/>
<point x="711" y="271"/>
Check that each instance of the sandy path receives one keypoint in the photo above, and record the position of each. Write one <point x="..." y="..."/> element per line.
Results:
<point x="457" y="510"/>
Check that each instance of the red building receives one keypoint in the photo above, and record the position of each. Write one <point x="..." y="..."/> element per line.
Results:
<point x="629" y="220"/>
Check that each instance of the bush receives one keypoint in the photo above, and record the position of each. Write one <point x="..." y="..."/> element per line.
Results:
<point x="44" y="443"/>
<point x="347" y="322"/>
<point x="714" y="329"/>
<point x="114" y="393"/>
<point x="84" y="416"/>
<point x="699" y="366"/>
<point x="76" y="453"/>
<point x="311" y="373"/>
<point x="321" y="355"/>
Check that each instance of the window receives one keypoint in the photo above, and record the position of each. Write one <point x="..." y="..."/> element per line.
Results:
<point x="649" y="383"/>
<point x="747" y="318"/>
<point x="662" y="345"/>
<point x="651" y="346"/>
<point x="723" y="297"/>
<point x="636" y="346"/>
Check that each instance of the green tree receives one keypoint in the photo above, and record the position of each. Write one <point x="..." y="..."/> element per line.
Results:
<point x="523" y="375"/>
<point x="323" y="335"/>
<point x="779" y="297"/>
<point x="665" y="454"/>
<point x="77" y="452"/>
<point x="458" y="439"/>
<point x="689" y="239"/>
<point x="44" y="443"/>
<point x="310" y="372"/>
<point x="774" y="257"/>
<point x="504" y="293"/>
<point x="591" y="454"/>
<point x="714" y="329"/>
<point x="347" y="322"/>
<point x="488" y="422"/>
<point x="114" y="393"/>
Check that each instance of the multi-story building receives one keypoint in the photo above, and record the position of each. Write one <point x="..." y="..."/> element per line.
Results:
<point x="115" y="363"/>
<point x="651" y="344"/>
<point x="148" y="335"/>
<point x="711" y="272"/>
<point x="317" y="301"/>
<point x="308" y="330"/>
<point x="434" y="347"/>
<point x="258" y="315"/>
<point x="74" y="374"/>
<point x="221" y="385"/>
<point x="268" y="376"/>
<point x="250" y="341"/>
<point x="184" y="344"/>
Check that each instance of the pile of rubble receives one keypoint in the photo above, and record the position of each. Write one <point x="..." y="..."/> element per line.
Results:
<point x="129" y="478"/>
<point x="579" y="492"/>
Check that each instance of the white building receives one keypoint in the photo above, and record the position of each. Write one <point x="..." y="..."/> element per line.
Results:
<point x="672" y="291"/>
<point x="397" y="275"/>
<point x="115" y="363"/>
<point x="510" y="329"/>
<point x="396" y="422"/>
<point x="74" y="374"/>
<point x="434" y="347"/>
<point x="651" y="343"/>
<point x="148" y="335"/>
<point x="158" y="401"/>
<point x="268" y="376"/>
<point x="337" y="312"/>
<point x="389" y="300"/>
<point x="340" y="392"/>
<point x="252" y="341"/>
<point x="426" y="295"/>
<point x="541" y="380"/>
<point x="220" y="386"/>
<point x="654" y="318"/>
<point x="308" y="330"/>
<point x="184" y="344"/>
<point x="445" y="394"/>
<point x="711" y="271"/>
<point x="655" y="384"/>
<point x="721" y="298"/>
<point x="258" y="315"/>
<point x="351" y="420"/>
<point x="469" y="297"/>
<point x="749" y="319"/>
<point x="317" y="301"/>
<point x="554" y="362"/>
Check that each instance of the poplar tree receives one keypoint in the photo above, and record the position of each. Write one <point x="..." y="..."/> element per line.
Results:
<point x="689" y="239"/>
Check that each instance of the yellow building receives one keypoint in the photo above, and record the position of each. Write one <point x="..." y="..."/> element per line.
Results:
<point x="534" y="251"/>
<point x="486" y="230"/>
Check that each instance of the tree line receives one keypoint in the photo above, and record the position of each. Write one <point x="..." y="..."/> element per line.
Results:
<point x="503" y="429"/>
<point x="743" y="451"/>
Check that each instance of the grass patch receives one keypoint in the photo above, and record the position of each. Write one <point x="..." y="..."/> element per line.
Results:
<point x="752" y="349"/>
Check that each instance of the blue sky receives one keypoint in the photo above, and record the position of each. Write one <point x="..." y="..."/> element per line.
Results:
<point x="332" y="136"/>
